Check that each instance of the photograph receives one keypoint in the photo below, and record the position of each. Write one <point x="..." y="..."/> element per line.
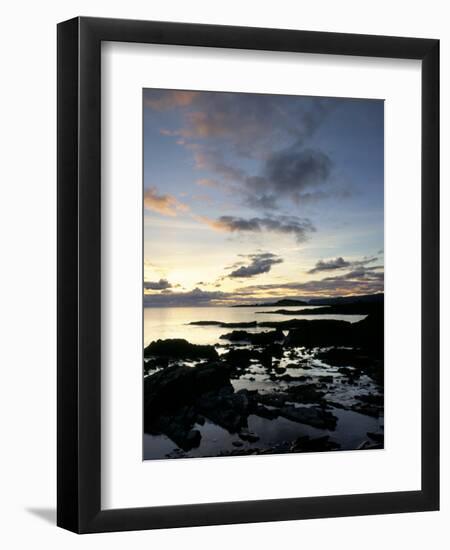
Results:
<point x="263" y="274"/>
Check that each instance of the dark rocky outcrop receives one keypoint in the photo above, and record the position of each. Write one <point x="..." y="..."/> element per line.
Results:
<point x="227" y="408"/>
<point x="306" y="444"/>
<point x="176" y="386"/>
<point x="312" y="416"/>
<point x="250" y="324"/>
<point x="178" y="348"/>
<point x="257" y="338"/>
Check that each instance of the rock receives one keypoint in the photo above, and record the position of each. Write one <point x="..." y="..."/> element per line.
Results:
<point x="255" y="338"/>
<point x="246" y="435"/>
<point x="237" y="443"/>
<point x="179" y="349"/>
<point x="280" y="370"/>
<point x="368" y="410"/>
<point x="265" y="338"/>
<point x="372" y="399"/>
<point x="378" y="437"/>
<point x="265" y="412"/>
<point x="272" y="399"/>
<point x="236" y="336"/>
<point x="178" y="385"/>
<point x="312" y="416"/>
<point x="227" y="408"/>
<point x="305" y="393"/>
<point x="305" y="444"/>
<point x="249" y="324"/>
<point x="319" y="333"/>
<point x="240" y="358"/>
<point x="156" y="363"/>
<point x="366" y="444"/>
<point x="179" y="428"/>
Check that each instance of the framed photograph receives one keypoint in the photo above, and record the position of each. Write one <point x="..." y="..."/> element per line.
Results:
<point x="248" y="259"/>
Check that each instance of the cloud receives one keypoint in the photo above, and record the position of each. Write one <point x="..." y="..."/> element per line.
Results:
<point x="248" y="122"/>
<point x="259" y="263"/>
<point x="168" y="205"/>
<point x="196" y="297"/>
<point x="340" y="263"/>
<point x="290" y="171"/>
<point x="206" y="159"/>
<point x="289" y="225"/>
<point x="162" y="100"/>
<point x="362" y="281"/>
<point x="162" y="284"/>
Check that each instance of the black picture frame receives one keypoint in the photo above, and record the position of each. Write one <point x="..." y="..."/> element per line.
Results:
<point x="79" y="281"/>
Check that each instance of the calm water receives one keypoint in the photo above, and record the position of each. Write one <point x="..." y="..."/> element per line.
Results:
<point x="351" y="429"/>
<point x="174" y="322"/>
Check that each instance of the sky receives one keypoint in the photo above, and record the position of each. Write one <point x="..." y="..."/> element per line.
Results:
<point x="256" y="197"/>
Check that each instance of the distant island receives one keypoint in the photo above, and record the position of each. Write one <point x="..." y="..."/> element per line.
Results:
<point x="330" y="301"/>
<point x="286" y="302"/>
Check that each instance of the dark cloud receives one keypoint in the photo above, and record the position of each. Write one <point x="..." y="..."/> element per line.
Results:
<point x="290" y="225"/>
<point x="196" y="297"/>
<point x="259" y="263"/>
<point x="340" y="263"/>
<point x="361" y="281"/>
<point x="273" y="128"/>
<point x="291" y="171"/>
<point x="250" y="123"/>
<point x="162" y="284"/>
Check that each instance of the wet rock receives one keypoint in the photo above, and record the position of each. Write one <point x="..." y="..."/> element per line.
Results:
<point x="178" y="348"/>
<point x="378" y="437"/>
<point x="240" y="358"/>
<point x="366" y="444"/>
<point x="179" y="428"/>
<point x="305" y="393"/>
<point x="368" y="410"/>
<point x="280" y="370"/>
<point x="265" y="412"/>
<point x="265" y="338"/>
<point x="372" y="399"/>
<point x="175" y="386"/>
<point x="272" y="399"/>
<point x="246" y="435"/>
<point x="312" y="416"/>
<point x="318" y="333"/>
<point x="305" y="444"/>
<point x="156" y="363"/>
<point x="227" y="408"/>
<point x="236" y="336"/>
<point x="255" y="338"/>
<point x="343" y="357"/>
<point x="269" y="353"/>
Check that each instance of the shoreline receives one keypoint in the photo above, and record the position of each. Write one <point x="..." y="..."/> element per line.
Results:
<point x="308" y="382"/>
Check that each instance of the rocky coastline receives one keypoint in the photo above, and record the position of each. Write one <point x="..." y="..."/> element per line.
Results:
<point x="306" y="373"/>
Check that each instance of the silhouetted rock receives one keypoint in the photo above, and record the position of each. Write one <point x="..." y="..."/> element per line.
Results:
<point x="240" y="358"/>
<point x="255" y="338"/>
<point x="249" y="324"/>
<point x="227" y="408"/>
<point x="313" y="416"/>
<point x="178" y="348"/>
<point x="179" y="385"/>
<point x="305" y="393"/>
<point x="305" y="444"/>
